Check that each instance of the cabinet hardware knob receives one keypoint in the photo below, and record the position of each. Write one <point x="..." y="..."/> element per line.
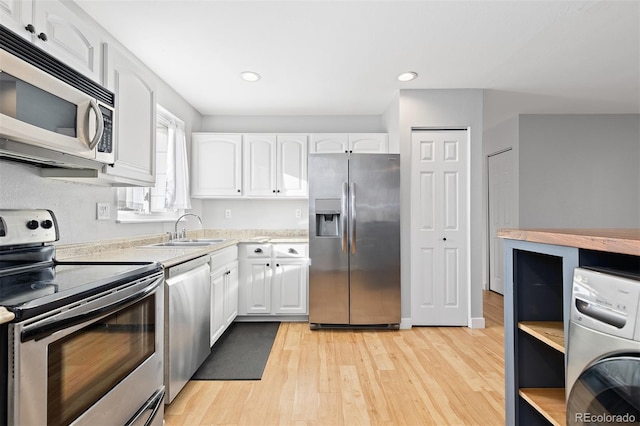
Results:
<point x="30" y="28"/>
<point x="238" y="190"/>
<point x="43" y="37"/>
<point x="274" y="191"/>
<point x="444" y="239"/>
<point x="277" y="265"/>
<point x="278" y="190"/>
<point x="258" y="250"/>
<point x="267" y="264"/>
<point x="293" y="251"/>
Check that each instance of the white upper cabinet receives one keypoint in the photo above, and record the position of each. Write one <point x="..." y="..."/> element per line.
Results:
<point x="368" y="143"/>
<point x="135" y="120"/>
<point x="275" y="165"/>
<point x="349" y="142"/>
<point x="56" y="29"/>
<point x="259" y="166"/>
<point x="216" y="161"/>
<point x="291" y="166"/>
<point x="326" y="143"/>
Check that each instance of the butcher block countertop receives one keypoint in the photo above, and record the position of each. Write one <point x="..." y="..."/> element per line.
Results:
<point x="625" y="241"/>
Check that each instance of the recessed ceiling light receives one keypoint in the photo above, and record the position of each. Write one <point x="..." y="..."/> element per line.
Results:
<point x="250" y="76"/>
<point x="408" y="76"/>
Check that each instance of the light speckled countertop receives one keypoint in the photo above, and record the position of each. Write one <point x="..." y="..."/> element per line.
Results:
<point x="137" y="248"/>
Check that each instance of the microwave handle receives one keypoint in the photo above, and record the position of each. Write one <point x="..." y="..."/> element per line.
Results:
<point x="99" y="121"/>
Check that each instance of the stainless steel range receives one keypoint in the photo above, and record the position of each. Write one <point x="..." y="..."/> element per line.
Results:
<point x="80" y="343"/>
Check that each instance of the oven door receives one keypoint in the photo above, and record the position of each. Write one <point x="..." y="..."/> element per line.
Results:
<point x="95" y="362"/>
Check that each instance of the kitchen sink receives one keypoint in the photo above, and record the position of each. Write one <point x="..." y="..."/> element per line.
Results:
<point x="190" y="243"/>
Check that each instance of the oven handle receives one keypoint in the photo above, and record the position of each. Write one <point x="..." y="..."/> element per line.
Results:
<point x="61" y="321"/>
<point x="150" y="408"/>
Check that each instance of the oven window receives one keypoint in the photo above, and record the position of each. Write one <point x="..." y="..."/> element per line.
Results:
<point x="85" y="365"/>
<point x="32" y="105"/>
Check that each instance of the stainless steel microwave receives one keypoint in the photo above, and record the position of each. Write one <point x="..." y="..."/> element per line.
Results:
<point x="49" y="113"/>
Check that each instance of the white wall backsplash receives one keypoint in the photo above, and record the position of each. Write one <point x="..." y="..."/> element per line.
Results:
<point x="74" y="204"/>
<point x="255" y="214"/>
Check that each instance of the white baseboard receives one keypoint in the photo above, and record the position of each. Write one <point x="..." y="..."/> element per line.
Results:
<point x="476" y="322"/>
<point x="405" y="323"/>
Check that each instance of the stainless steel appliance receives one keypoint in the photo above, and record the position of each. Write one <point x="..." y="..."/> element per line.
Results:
<point x="80" y="343"/>
<point x="187" y="329"/>
<point x="49" y="113"/>
<point x="603" y="350"/>
<point x="354" y="240"/>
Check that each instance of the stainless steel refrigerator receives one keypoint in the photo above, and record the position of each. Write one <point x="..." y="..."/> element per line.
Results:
<point x="354" y="240"/>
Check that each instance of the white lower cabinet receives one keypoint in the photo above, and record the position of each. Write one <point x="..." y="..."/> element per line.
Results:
<point x="274" y="279"/>
<point x="224" y="290"/>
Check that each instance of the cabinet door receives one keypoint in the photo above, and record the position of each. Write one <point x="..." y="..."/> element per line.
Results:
<point x="258" y="286"/>
<point x="291" y="166"/>
<point x="218" y="324"/>
<point x="371" y="143"/>
<point x="326" y="143"/>
<point x="231" y="294"/>
<point x="290" y="286"/>
<point x="259" y="153"/>
<point x="135" y="119"/>
<point x="63" y="34"/>
<point x="216" y="161"/>
<point x="16" y="15"/>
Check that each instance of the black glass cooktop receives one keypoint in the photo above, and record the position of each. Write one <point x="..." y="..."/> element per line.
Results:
<point x="31" y="291"/>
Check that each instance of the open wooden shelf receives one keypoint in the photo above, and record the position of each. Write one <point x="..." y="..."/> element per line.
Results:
<point x="549" y="332"/>
<point x="550" y="402"/>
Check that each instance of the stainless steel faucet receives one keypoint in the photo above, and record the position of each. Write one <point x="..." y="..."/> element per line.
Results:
<point x="183" y="233"/>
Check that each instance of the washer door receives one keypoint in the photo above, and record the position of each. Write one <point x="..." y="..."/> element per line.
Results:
<point x="608" y="392"/>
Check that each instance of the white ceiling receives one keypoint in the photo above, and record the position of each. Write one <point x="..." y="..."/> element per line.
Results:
<point x="343" y="57"/>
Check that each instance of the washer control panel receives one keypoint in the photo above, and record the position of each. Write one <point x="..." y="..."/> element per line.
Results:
<point x="606" y="303"/>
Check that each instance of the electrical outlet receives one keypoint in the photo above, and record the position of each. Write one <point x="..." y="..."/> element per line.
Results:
<point x="227" y="213"/>
<point x="103" y="211"/>
<point x="298" y="213"/>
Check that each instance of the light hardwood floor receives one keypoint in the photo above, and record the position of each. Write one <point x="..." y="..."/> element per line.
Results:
<point x="422" y="376"/>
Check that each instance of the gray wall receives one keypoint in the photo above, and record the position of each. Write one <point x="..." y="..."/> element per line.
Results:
<point x="443" y="108"/>
<point x="579" y="171"/>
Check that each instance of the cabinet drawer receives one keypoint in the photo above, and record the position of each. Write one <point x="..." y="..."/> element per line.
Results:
<point x="224" y="256"/>
<point x="257" y="250"/>
<point x="290" y="250"/>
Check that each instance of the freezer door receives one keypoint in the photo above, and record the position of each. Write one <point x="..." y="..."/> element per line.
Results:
<point x="374" y="194"/>
<point x="328" y="244"/>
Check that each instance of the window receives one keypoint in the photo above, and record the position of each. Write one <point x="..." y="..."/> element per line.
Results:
<point x="167" y="200"/>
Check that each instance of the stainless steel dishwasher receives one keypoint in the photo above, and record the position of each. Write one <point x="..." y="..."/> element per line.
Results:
<point x="187" y="324"/>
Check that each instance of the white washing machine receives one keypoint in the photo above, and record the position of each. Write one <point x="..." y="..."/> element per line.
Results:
<point x="603" y="354"/>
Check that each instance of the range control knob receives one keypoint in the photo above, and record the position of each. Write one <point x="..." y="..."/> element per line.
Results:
<point x="46" y="224"/>
<point x="33" y="224"/>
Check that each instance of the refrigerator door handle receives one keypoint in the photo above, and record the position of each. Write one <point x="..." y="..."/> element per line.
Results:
<point x="352" y="218"/>
<point x="343" y="215"/>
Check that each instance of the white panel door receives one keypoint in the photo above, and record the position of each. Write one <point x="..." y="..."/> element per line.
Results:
<point x="259" y="170"/>
<point x="502" y="213"/>
<point x="439" y="228"/>
<point x="291" y="166"/>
